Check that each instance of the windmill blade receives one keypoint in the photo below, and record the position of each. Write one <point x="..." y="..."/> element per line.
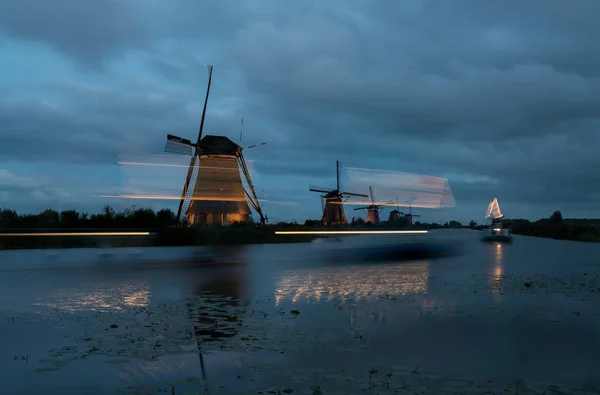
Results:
<point x="313" y="188"/>
<point x="371" y="193"/>
<point x="410" y="200"/>
<point x="355" y="194"/>
<point x="210" y="70"/>
<point x="337" y="174"/>
<point x="255" y="145"/>
<point x="241" y="130"/>
<point x="178" y="145"/>
<point x="361" y="208"/>
<point x="252" y="198"/>
<point x="186" y="187"/>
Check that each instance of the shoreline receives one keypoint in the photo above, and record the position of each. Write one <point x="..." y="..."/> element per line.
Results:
<point x="171" y="237"/>
<point x="566" y="233"/>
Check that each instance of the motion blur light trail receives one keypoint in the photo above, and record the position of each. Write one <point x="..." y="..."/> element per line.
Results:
<point x="79" y="234"/>
<point x="349" y="232"/>
<point x="394" y="188"/>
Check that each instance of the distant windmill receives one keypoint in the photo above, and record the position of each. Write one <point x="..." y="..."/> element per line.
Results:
<point x="333" y="212"/>
<point x="372" y="210"/>
<point x="396" y="214"/>
<point x="410" y="215"/>
<point x="213" y="193"/>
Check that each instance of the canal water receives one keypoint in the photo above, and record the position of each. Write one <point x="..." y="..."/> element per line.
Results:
<point x="303" y="319"/>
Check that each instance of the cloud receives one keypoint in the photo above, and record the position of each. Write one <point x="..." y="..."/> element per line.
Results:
<point x="502" y="100"/>
<point x="86" y="31"/>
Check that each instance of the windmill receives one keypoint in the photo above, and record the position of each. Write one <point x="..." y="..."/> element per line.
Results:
<point x="372" y="210"/>
<point x="396" y="214"/>
<point x="213" y="193"/>
<point x="333" y="211"/>
<point x="410" y="215"/>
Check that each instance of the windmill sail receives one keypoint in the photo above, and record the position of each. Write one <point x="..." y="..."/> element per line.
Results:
<point x="493" y="210"/>
<point x="178" y="145"/>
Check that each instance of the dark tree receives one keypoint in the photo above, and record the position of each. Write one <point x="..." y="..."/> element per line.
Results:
<point x="556" y="217"/>
<point x="69" y="219"/>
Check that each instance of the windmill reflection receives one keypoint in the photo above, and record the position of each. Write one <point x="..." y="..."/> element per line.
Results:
<point x="217" y="318"/>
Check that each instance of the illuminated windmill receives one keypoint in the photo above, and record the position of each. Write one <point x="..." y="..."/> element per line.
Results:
<point x="372" y="210"/>
<point x="333" y="211"/>
<point x="493" y="212"/>
<point x="213" y="193"/>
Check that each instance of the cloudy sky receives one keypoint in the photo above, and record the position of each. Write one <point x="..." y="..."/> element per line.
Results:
<point x="500" y="97"/>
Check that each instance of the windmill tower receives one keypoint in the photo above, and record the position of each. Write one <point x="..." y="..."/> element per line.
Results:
<point x="372" y="210"/>
<point x="213" y="193"/>
<point x="333" y="211"/>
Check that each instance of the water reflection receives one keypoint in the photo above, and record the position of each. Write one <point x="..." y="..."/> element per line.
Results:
<point x="224" y="290"/>
<point x="496" y="271"/>
<point x="214" y="310"/>
<point x="357" y="282"/>
<point x="109" y="297"/>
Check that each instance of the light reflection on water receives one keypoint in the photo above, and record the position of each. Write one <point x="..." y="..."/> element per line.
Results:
<point x="434" y="327"/>
<point x="111" y="297"/>
<point x="497" y="269"/>
<point x="359" y="283"/>
<point x="140" y="371"/>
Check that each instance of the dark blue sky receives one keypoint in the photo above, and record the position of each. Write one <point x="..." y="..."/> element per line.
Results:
<point x="501" y="98"/>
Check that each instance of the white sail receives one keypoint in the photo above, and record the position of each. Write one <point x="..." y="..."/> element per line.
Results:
<point x="493" y="210"/>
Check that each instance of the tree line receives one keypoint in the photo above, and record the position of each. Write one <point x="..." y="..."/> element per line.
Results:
<point x="147" y="218"/>
<point x="554" y="226"/>
<point x="129" y="218"/>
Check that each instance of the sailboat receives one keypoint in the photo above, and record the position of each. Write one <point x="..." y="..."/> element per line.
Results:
<point x="496" y="232"/>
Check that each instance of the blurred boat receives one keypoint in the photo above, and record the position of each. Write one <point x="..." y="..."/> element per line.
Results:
<point x="376" y="249"/>
<point x="497" y="234"/>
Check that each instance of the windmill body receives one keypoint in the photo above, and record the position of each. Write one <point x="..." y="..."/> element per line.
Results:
<point x="333" y="211"/>
<point x="218" y="196"/>
<point x="372" y="210"/>
<point x="213" y="193"/>
<point x="394" y="216"/>
<point x="373" y="215"/>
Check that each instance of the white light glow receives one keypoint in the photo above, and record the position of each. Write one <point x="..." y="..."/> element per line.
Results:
<point x="350" y="232"/>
